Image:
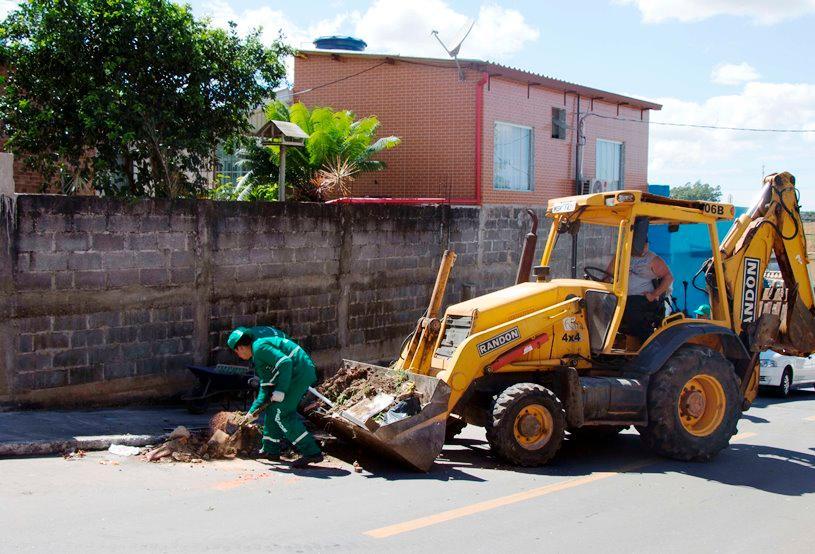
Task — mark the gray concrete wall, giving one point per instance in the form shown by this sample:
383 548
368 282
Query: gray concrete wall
106 300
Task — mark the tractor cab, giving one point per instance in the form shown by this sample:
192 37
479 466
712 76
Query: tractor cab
596 240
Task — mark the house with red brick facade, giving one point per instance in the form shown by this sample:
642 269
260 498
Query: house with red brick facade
25 180
476 132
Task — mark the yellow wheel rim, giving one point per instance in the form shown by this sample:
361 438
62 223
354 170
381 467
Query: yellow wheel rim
702 405
533 426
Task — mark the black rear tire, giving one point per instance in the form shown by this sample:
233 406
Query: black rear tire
514 420
665 433
597 433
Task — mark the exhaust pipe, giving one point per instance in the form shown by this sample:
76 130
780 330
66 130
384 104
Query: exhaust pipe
528 252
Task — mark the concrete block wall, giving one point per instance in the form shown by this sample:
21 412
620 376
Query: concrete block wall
106 300
104 293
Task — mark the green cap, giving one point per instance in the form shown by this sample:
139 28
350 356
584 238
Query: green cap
703 309
235 336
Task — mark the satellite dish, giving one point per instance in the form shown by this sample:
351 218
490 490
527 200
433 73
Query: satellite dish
453 53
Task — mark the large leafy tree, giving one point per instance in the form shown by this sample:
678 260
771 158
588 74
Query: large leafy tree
131 96
339 146
697 191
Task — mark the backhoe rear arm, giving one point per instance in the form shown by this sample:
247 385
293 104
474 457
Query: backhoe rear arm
782 318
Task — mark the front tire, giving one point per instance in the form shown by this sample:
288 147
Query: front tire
528 424
693 405
784 388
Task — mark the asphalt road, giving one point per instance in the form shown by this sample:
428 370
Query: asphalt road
759 495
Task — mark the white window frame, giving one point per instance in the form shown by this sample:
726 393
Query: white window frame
234 172
621 184
531 172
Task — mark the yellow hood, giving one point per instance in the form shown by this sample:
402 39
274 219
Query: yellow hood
510 303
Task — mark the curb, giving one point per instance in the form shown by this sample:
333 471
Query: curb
101 442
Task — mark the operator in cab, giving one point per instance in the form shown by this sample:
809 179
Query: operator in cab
644 308
649 279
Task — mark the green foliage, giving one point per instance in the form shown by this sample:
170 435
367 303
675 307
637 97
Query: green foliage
130 96
245 189
697 191
335 138
256 161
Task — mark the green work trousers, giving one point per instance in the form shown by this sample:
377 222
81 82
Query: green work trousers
282 421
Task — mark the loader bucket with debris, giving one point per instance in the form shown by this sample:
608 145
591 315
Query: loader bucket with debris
414 437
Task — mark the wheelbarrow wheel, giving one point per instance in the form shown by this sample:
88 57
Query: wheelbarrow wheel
195 402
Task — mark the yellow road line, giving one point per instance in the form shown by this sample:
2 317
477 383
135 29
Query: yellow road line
479 507
810 418
418 523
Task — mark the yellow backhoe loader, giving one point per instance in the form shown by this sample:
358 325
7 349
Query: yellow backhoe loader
536 360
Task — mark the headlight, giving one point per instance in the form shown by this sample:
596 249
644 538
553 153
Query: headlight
768 363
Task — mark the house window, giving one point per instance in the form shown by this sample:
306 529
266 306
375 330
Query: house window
610 164
228 167
513 158
559 123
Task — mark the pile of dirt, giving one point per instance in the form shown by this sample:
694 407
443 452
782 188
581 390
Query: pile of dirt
351 385
224 439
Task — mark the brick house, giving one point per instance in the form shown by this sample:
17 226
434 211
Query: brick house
25 180
484 133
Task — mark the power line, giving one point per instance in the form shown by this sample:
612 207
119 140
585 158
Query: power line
341 78
613 118
700 126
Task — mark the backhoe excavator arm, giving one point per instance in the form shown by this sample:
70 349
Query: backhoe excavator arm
781 318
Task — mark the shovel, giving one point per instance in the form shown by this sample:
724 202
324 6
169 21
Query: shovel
343 414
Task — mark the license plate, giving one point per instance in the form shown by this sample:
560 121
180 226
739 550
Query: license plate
564 207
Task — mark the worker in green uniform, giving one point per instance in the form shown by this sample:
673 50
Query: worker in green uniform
702 312
286 372
259 332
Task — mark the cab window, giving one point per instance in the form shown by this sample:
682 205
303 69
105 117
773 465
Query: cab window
596 250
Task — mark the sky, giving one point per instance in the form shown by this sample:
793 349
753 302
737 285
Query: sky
732 63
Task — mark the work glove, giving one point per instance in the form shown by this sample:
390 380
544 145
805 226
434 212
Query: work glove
248 418
278 396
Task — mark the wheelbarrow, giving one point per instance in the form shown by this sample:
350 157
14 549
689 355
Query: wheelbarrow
222 383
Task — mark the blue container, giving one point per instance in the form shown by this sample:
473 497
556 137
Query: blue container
340 43
685 251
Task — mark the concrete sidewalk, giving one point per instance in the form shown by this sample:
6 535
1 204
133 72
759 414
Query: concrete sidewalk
40 433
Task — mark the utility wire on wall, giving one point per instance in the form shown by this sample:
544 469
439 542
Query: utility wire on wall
701 126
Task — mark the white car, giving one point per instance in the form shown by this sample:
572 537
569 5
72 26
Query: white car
785 373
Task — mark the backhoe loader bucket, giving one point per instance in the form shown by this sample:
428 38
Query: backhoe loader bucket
415 440
794 324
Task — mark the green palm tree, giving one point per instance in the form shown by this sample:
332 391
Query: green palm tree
335 138
339 146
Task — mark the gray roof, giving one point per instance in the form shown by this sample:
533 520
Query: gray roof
494 69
